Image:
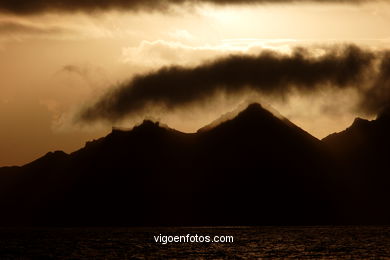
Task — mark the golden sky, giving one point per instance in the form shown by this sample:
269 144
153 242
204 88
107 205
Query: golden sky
54 63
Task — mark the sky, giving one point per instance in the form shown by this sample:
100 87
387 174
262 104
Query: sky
70 70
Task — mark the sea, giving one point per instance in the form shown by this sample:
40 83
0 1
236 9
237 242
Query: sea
269 242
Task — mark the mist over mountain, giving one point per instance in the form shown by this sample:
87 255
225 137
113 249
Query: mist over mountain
253 169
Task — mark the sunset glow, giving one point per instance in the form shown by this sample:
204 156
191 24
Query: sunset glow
55 63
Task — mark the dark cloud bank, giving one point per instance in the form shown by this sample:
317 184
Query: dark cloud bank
38 6
269 73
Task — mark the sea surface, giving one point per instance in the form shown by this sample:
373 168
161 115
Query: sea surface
350 242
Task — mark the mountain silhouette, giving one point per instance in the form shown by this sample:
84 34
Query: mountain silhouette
364 144
363 150
253 169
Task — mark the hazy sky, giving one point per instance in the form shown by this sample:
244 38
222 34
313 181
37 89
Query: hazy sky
58 60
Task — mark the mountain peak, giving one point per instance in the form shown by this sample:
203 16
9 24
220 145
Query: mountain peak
359 122
257 114
254 109
250 111
148 127
147 124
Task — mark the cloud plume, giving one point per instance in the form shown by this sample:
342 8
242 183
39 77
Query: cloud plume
10 27
39 6
269 73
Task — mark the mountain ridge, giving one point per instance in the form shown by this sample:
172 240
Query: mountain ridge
255 169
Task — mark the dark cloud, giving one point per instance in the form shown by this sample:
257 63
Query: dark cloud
376 97
38 6
269 73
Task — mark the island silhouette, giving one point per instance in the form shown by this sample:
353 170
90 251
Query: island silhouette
257 168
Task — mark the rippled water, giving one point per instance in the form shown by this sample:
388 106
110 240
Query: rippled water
249 243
